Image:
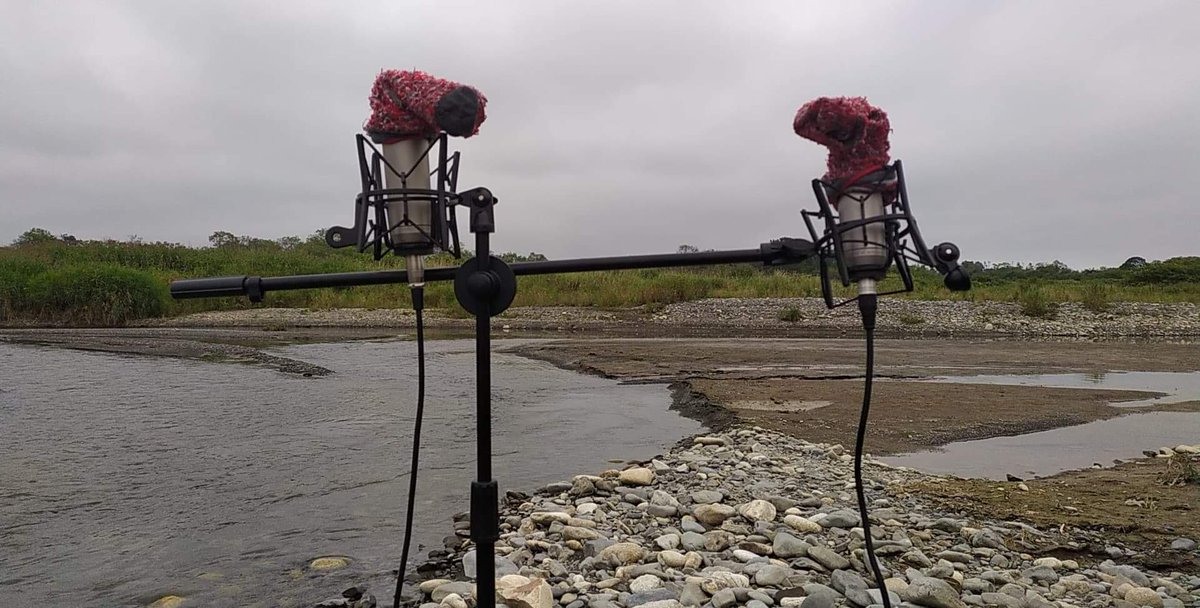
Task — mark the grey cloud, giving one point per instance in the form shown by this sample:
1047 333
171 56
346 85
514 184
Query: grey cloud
1031 131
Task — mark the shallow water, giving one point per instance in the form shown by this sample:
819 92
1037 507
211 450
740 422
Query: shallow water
1177 387
1049 452
1076 447
125 478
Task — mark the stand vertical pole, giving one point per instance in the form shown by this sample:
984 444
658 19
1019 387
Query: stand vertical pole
485 509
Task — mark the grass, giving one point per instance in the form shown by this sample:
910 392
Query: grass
1034 302
112 283
1181 470
1095 297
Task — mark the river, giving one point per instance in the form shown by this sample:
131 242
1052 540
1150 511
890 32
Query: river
127 478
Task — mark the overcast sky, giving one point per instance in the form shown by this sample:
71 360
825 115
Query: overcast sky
1030 131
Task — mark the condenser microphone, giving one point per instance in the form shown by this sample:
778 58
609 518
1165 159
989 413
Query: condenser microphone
406 166
860 206
409 110
859 183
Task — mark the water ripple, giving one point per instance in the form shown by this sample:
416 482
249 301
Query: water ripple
125 478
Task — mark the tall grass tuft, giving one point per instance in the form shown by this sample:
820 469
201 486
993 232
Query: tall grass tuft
1095 296
1034 302
15 277
96 295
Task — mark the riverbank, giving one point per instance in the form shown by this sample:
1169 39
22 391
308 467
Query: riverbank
793 317
758 518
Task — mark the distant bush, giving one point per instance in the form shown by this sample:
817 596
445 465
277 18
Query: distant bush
1035 303
96 295
1174 270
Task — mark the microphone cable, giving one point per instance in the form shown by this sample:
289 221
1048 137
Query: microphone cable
418 302
868 305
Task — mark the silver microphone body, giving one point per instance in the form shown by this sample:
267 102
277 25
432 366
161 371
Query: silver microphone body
864 248
413 239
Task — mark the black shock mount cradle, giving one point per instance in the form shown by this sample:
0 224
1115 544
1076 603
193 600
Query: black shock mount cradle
485 286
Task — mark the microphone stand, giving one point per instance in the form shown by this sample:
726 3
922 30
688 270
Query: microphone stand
485 286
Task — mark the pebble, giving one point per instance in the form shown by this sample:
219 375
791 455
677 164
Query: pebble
827 557
785 545
621 554
802 524
1183 544
713 514
844 518
932 592
819 600
692 595
1143 596
637 476
454 600
718 580
459 588
1001 599
693 541
771 575
707 497
724 598
1050 562
757 510
669 603
671 559
667 541
644 583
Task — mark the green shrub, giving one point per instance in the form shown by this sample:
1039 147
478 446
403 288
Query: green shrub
1174 270
96 295
1095 296
1035 303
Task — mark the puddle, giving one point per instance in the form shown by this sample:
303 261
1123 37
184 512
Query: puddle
1054 451
1076 447
1177 387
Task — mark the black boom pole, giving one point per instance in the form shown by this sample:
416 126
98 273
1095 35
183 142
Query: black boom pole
783 251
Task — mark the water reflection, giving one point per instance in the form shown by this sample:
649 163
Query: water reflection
1176 387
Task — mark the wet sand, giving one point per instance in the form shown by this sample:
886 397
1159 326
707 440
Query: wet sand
813 388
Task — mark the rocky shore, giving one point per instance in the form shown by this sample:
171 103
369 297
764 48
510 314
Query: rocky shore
943 317
756 316
753 518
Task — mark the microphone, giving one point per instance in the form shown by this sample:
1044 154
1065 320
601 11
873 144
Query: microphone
863 202
409 112
858 180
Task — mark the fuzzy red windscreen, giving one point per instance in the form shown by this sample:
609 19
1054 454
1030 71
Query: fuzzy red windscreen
855 132
411 104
